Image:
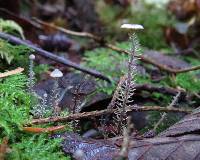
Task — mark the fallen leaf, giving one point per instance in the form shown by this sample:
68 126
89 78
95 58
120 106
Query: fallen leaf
3 148
43 130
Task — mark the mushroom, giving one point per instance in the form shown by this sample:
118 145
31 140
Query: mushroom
56 73
132 26
32 57
31 74
55 91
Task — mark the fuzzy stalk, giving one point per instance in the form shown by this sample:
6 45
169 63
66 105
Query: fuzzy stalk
31 80
55 98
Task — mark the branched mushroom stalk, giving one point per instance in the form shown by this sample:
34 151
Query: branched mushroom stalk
31 79
126 87
40 109
56 74
123 154
77 104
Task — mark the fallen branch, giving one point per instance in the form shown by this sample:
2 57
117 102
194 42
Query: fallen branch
103 42
104 112
160 89
52 56
12 72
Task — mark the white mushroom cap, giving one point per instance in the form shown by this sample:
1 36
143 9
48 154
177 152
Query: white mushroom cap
45 95
56 73
32 57
132 26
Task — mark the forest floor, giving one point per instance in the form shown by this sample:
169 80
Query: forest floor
76 84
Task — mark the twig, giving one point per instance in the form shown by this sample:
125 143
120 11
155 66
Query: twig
52 56
104 112
103 42
164 115
151 133
160 89
70 32
12 72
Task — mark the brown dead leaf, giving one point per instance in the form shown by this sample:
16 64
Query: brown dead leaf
183 148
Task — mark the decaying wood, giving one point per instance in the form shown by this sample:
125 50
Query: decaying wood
52 56
103 42
9 73
12 72
104 112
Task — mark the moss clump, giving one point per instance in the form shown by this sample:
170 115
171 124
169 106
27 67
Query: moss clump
188 81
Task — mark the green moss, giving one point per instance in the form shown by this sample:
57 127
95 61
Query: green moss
112 64
11 27
106 61
188 81
14 113
193 61
12 53
14 105
37 147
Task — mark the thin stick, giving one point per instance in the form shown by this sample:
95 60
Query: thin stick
175 99
104 112
103 42
52 56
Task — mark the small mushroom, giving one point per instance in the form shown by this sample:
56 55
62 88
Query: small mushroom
31 79
132 26
32 57
56 73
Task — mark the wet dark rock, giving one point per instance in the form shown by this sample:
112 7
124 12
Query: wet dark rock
68 84
92 133
58 42
92 149
183 147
